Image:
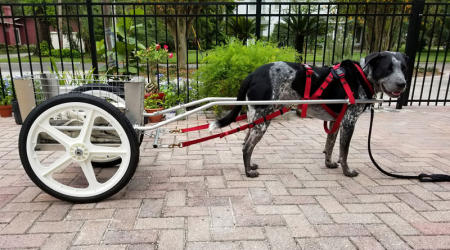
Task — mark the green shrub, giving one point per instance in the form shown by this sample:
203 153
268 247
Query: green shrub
227 65
66 53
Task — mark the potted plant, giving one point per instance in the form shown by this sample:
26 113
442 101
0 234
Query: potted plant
153 104
152 56
5 106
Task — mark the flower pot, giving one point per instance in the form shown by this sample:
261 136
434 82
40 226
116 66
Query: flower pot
6 110
156 118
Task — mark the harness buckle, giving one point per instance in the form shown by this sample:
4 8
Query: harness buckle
340 72
175 145
173 131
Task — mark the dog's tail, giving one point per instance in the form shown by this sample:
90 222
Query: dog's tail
231 116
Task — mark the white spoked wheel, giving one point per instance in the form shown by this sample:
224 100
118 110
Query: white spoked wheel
61 138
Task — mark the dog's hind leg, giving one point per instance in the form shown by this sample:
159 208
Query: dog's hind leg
331 139
254 136
347 128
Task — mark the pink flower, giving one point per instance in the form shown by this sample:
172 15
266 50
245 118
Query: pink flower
170 55
166 47
157 47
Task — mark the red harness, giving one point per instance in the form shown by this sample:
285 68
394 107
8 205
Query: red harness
336 72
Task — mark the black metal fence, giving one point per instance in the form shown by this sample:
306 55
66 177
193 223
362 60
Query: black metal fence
103 37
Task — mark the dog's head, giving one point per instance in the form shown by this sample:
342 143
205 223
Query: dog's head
386 71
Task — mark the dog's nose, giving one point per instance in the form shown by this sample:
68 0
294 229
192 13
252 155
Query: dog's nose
401 85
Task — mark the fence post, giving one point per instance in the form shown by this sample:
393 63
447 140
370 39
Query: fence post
258 19
412 44
92 36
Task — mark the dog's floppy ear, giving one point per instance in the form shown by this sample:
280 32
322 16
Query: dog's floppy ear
371 58
405 57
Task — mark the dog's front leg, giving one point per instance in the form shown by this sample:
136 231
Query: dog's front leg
331 139
347 128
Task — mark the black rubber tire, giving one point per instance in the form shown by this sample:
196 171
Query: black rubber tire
116 89
103 104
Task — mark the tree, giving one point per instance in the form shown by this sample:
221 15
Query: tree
294 28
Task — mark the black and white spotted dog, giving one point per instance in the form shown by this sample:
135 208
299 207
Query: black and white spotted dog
286 81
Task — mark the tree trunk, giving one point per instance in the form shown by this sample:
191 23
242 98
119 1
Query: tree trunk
44 32
60 24
108 34
177 28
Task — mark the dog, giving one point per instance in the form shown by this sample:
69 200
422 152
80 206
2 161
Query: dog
286 81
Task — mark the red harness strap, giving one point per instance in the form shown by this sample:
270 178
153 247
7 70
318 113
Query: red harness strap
309 73
243 127
205 126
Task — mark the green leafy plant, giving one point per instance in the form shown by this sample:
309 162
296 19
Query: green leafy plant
171 97
227 65
5 100
153 102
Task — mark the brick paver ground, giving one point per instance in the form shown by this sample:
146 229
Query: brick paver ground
199 198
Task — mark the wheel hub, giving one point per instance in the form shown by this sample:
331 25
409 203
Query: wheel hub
79 152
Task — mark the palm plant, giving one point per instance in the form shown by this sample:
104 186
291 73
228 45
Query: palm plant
294 29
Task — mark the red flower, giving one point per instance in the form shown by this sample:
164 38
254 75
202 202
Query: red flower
166 47
157 47
170 55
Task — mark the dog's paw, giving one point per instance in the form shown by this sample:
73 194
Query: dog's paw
213 125
331 164
254 166
351 173
252 174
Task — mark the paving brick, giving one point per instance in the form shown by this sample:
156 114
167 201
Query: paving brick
259 220
293 200
260 196
276 188
28 194
198 229
415 202
406 212
277 209
215 182
90 214
56 227
367 208
244 184
254 245
437 216
315 214
130 236
151 208
21 223
227 245
333 230
397 224
221 217
23 241
21 207
330 204
377 198
431 228
228 192
159 223
300 226
387 237
171 239
366 243
280 238
122 203
58 241
124 218
347 218
91 232
429 242
308 191
185 211
55 212
325 243
176 198
237 233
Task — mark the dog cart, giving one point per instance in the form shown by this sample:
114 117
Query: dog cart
83 146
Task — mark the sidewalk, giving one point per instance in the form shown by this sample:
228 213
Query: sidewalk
199 197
